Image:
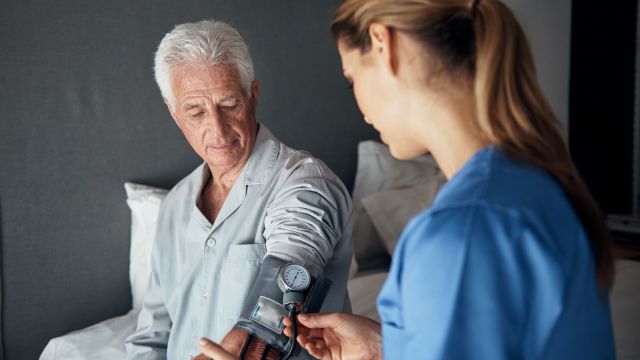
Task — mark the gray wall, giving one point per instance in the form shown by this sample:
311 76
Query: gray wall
81 115
547 24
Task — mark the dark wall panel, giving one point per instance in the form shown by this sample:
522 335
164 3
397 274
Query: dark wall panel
602 99
80 115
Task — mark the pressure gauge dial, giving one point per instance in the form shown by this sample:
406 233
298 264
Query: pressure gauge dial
294 278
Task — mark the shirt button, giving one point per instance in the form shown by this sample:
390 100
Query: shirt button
211 242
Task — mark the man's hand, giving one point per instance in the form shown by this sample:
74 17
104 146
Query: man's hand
233 341
211 350
334 336
231 346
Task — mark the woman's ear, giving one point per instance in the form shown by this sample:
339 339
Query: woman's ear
383 46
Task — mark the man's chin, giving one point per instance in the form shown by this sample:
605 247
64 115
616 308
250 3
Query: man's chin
223 163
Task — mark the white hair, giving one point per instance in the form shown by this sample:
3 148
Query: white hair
208 41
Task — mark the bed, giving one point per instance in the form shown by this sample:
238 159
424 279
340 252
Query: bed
387 192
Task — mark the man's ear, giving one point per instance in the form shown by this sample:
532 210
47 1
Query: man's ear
172 111
255 93
383 46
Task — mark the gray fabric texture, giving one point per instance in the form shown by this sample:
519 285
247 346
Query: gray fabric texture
387 193
81 115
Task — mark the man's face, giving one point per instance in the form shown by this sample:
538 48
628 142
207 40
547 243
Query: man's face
215 114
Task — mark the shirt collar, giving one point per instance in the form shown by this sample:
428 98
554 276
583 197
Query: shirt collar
263 157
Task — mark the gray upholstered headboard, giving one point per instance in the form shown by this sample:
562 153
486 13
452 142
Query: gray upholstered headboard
80 115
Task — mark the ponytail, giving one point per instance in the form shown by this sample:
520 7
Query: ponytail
513 113
482 40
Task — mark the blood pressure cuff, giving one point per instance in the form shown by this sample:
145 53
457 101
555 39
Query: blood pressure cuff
266 286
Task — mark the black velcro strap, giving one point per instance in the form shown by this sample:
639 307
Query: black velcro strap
266 285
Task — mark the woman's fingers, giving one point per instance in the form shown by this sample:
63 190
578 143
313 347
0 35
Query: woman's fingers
310 333
303 340
317 349
315 321
302 330
286 321
315 333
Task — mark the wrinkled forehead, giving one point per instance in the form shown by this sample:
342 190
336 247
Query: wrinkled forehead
190 77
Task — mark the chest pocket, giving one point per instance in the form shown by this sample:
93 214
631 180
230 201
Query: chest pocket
238 275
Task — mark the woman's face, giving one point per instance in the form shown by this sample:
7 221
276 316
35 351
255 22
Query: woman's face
379 98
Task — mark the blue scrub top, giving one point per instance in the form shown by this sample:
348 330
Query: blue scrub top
499 268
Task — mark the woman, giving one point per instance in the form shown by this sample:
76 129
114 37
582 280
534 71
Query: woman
513 259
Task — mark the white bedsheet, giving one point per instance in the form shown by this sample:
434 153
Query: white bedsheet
102 341
105 340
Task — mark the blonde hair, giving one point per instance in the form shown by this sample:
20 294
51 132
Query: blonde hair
483 40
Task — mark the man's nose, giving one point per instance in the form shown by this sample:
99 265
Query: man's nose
215 122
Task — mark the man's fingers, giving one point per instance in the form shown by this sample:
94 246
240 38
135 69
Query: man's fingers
233 341
214 351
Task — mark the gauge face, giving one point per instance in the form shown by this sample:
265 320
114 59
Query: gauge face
295 277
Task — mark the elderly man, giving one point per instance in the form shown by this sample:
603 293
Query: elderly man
253 200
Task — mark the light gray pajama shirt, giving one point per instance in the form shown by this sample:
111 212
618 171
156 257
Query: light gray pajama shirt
284 203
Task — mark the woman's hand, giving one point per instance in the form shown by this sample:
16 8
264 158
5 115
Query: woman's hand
334 336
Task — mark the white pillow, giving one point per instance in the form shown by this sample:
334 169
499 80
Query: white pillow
144 202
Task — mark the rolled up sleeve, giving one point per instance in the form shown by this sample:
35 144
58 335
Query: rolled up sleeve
305 220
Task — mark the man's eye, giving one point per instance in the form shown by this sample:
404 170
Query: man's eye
228 106
196 114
